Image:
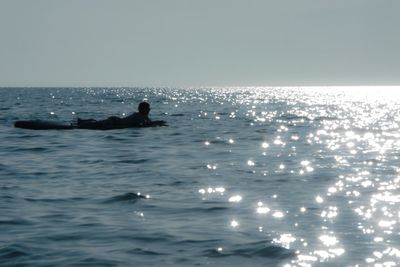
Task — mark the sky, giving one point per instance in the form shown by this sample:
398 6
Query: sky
199 42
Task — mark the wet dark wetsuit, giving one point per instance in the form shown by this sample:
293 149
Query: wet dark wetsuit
134 120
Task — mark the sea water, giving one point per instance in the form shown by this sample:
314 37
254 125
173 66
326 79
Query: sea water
240 177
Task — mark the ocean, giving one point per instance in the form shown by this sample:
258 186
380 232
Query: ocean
248 176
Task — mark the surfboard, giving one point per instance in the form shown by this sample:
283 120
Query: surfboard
53 125
43 125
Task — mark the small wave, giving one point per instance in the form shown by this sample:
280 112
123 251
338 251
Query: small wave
92 261
9 187
133 161
15 222
66 237
209 209
177 183
117 100
91 161
7 197
12 251
27 135
325 118
55 200
115 138
291 117
146 252
176 134
30 149
193 241
156 237
55 217
127 197
257 249
89 224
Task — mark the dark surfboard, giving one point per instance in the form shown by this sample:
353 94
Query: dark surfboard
52 125
43 125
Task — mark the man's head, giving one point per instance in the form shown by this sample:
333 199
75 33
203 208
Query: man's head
144 108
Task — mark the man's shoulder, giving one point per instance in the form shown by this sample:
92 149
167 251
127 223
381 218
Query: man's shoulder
137 118
133 115
136 115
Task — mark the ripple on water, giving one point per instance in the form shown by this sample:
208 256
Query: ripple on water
103 261
127 197
11 253
132 161
255 249
145 252
55 200
16 221
29 149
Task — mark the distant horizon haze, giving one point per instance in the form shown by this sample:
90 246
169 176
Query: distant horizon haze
187 43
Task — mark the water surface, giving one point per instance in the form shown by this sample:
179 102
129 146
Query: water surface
241 177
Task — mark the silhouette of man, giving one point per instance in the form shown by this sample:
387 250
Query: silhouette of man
137 119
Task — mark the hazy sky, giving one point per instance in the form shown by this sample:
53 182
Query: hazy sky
199 42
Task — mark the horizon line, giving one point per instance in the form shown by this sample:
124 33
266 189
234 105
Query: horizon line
206 86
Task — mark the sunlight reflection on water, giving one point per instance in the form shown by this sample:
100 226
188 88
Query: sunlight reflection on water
359 126
310 170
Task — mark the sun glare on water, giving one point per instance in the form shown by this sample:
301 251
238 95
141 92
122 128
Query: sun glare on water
384 93
353 129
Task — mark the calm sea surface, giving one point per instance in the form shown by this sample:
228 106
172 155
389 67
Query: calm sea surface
241 177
